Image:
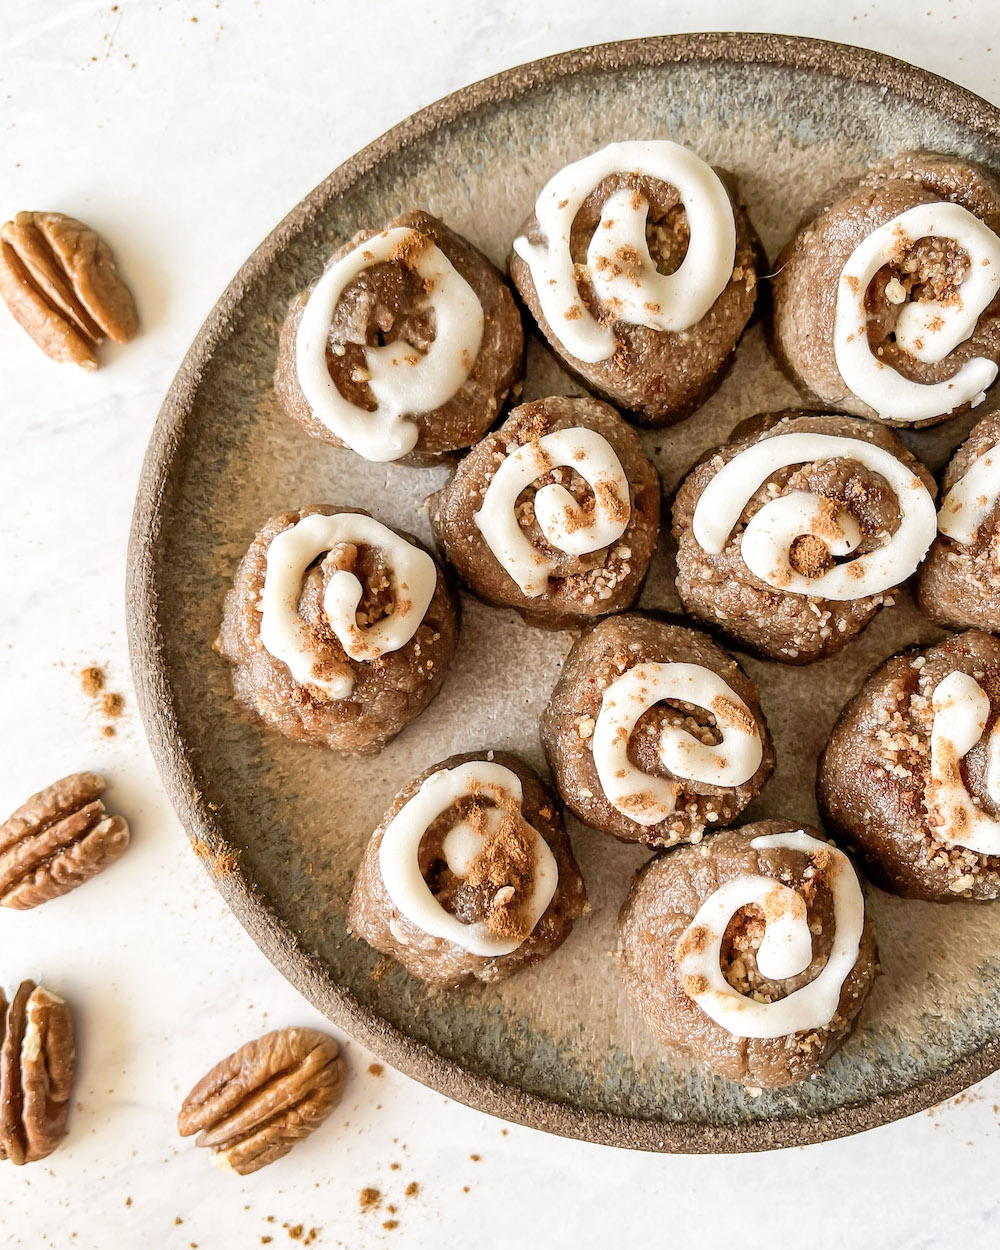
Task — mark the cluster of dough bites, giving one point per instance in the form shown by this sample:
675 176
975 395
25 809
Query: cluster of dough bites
959 582
625 685
451 922
695 963
907 777
659 375
333 699
814 283
819 578
491 527
445 308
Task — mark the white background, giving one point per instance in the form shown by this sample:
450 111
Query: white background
184 142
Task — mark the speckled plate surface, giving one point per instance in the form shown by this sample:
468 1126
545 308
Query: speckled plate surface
281 827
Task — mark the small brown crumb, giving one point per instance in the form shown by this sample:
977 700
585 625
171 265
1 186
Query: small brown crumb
112 705
390 1224
369 1199
108 731
375 1069
474 1158
266 1239
92 680
412 1189
296 1231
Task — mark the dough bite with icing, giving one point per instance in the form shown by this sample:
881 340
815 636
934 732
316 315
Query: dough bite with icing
339 629
555 514
751 950
911 774
959 582
653 733
640 266
470 875
793 534
887 302
405 349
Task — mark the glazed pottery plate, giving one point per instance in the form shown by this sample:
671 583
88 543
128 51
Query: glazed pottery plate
282 826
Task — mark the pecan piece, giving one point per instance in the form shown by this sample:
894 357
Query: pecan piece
37 1064
256 1104
59 280
60 838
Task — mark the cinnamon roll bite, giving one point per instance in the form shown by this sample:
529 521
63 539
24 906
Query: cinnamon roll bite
751 950
911 774
887 303
653 733
793 534
339 629
640 266
555 514
470 875
405 348
959 582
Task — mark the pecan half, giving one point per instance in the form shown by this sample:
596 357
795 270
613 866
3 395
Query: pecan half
60 838
256 1104
59 280
37 1064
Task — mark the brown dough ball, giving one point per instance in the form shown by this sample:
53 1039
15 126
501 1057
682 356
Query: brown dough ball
658 376
720 590
599 658
375 919
875 782
807 275
387 302
580 587
388 692
666 895
959 583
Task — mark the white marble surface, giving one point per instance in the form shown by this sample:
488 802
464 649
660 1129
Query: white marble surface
184 131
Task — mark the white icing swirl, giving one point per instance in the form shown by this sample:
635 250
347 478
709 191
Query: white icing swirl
767 539
619 267
413 577
647 799
786 949
971 500
404 381
566 525
928 330
961 710
399 862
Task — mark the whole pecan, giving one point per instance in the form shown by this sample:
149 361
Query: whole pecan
59 280
256 1104
37 1063
60 838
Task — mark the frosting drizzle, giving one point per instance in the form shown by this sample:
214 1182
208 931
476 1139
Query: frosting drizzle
566 525
399 853
766 542
619 266
413 576
928 330
961 710
648 799
404 381
786 950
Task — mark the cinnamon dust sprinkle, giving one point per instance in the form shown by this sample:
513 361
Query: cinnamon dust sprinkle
92 680
369 1199
810 556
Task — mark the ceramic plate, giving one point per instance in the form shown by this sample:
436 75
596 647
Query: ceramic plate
282 826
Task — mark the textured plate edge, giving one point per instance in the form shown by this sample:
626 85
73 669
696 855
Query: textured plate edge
279 943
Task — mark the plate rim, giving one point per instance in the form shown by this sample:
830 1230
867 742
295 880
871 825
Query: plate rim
278 941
